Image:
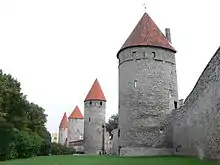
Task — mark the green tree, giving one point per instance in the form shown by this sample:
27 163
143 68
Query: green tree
6 136
112 124
22 124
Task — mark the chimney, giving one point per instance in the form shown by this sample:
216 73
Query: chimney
167 31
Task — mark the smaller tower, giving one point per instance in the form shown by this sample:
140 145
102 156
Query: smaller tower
94 120
63 130
75 126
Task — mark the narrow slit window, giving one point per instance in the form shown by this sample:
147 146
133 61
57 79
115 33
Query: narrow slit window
135 83
89 119
100 103
175 104
154 54
118 132
90 103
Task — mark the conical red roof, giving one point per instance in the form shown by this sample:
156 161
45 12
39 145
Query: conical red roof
64 122
76 114
146 33
95 92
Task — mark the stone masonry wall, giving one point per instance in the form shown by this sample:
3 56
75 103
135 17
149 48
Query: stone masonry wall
196 125
94 117
75 130
115 142
62 135
147 91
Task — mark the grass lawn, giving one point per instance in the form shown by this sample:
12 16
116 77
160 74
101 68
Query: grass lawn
107 160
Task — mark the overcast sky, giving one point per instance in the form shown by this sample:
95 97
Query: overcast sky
56 48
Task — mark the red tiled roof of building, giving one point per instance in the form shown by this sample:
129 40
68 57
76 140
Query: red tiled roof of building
64 122
146 33
95 92
76 114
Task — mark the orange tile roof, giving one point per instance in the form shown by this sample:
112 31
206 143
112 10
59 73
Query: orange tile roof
64 122
76 114
95 92
146 33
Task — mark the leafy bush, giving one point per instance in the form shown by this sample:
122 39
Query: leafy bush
58 149
27 143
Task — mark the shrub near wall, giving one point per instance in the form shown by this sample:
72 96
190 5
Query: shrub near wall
58 149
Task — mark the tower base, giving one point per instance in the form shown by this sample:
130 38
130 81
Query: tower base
143 151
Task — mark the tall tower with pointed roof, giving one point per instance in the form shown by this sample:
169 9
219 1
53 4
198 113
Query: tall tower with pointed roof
75 126
94 118
63 130
147 90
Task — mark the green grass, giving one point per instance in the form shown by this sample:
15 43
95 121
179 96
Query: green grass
107 160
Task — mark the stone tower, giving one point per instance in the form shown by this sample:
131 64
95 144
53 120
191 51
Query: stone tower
94 118
147 89
63 130
75 126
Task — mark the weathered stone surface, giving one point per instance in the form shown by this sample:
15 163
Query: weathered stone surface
141 151
115 141
94 118
196 125
75 130
147 92
62 136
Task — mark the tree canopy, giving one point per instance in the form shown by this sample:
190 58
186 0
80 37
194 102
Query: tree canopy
22 124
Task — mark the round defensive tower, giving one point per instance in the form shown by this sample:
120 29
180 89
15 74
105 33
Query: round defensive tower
75 126
94 118
63 130
147 90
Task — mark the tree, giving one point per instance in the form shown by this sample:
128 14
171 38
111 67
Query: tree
22 124
112 124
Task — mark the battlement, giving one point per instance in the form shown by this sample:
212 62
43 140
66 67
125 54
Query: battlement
146 53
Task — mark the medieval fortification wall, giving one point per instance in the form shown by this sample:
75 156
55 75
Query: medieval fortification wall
196 125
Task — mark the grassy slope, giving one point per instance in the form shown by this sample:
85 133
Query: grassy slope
107 160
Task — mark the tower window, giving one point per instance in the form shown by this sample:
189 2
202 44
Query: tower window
135 83
161 129
90 103
100 103
175 104
89 119
154 54
133 54
118 132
